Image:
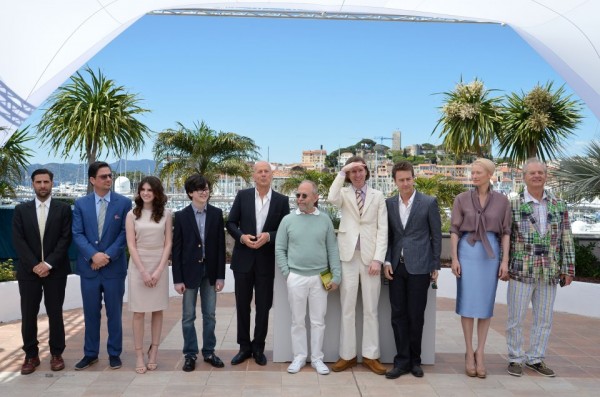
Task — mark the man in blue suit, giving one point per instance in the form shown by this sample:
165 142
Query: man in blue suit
99 233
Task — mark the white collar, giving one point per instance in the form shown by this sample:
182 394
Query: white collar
315 212
46 203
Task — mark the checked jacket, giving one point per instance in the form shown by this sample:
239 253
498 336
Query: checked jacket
544 255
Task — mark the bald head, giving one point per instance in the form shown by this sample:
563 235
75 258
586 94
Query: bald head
263 175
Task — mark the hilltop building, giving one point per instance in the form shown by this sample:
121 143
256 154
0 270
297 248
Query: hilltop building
314 159
396 140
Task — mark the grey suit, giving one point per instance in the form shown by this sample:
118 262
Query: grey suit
421 238
413 252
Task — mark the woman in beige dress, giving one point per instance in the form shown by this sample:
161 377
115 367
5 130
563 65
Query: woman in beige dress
149 239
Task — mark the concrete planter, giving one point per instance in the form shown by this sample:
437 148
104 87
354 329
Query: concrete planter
578 298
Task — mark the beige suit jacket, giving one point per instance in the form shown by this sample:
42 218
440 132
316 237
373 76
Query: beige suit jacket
372 227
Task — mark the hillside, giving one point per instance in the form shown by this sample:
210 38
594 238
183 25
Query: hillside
77 173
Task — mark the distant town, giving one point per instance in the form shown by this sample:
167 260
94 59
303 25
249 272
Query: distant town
428 160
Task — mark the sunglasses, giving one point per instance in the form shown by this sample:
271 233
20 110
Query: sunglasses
303 195
105 176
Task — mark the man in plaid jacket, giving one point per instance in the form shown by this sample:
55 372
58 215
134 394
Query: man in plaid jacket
542 255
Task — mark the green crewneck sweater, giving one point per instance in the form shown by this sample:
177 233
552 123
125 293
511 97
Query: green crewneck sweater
306 244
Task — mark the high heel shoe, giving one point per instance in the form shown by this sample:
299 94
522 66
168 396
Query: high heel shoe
470 371
140 370
480 371
152 365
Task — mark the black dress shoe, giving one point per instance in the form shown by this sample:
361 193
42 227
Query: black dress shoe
417 371
189 365
396 372
260 358
214 361
242 356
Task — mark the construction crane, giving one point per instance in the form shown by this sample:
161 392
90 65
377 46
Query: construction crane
382 138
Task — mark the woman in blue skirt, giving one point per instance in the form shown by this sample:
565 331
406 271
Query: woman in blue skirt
480 236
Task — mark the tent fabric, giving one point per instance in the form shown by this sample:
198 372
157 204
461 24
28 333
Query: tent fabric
45 42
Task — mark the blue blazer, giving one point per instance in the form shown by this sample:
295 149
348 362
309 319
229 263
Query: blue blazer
85 236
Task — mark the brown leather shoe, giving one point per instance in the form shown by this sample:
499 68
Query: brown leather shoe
342 365
374 365
29 365
57 363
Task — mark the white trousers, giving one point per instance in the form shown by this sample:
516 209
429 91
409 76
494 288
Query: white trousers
303 290
353 273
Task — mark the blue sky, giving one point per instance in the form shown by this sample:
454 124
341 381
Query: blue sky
293 85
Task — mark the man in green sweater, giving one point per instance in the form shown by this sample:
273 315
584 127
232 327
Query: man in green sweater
305 247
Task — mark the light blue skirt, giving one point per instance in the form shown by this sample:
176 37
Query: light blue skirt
476 287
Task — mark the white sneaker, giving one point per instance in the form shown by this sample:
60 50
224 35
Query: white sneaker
296 365
320 367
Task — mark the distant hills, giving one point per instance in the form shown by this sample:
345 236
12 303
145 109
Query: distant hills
77 173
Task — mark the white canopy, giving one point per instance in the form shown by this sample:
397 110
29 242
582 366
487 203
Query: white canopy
45 42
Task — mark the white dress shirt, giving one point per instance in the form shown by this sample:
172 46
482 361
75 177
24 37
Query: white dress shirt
261 205
37 213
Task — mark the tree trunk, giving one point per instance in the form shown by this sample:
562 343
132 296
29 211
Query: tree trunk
91 158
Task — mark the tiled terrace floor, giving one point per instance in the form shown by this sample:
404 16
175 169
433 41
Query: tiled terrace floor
574 354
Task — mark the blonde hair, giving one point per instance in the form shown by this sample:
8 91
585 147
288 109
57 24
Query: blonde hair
487 165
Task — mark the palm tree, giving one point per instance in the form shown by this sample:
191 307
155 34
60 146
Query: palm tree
578 177
536 124
13 161
470 119
441 187
445 190
95 118
322 179
184 151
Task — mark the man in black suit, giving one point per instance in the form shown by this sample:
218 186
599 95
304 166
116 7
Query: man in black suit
253 222
198 257
412 260
41 237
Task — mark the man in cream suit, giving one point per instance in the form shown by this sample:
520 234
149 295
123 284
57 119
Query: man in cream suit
362 241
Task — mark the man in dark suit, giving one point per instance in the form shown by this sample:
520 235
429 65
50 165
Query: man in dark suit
253 222
198 258
99 234
412 260
41 234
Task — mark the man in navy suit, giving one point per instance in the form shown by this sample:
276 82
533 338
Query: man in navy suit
99 234
198 257
41 237
253 222
412 260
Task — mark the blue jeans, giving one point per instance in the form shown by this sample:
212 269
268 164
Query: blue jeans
208 303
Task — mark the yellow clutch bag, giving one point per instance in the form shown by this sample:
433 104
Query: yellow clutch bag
326 277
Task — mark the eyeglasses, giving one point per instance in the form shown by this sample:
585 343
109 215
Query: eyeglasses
104 176
303 195
205 190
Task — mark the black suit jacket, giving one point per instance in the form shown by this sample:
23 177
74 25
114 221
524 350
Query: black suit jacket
57 238
187 247
421 238
242 220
